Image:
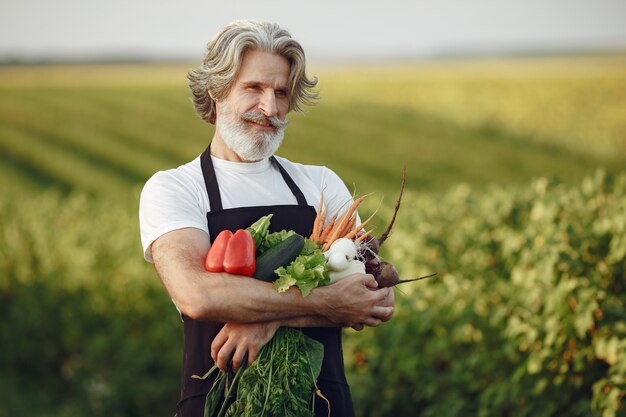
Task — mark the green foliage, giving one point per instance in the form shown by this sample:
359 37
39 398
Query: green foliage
526 317
307 271
281 382
87 328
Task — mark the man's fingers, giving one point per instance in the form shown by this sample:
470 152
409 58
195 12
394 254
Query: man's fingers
217 344
372 322
358 327
370 281
223 356
240 352
384 297
382 313
252 354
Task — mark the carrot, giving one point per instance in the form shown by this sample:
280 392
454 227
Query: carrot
345 218
328 229
355 230
319 221
363 236
349 226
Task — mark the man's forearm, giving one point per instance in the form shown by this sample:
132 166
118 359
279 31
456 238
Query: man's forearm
227 298
222 297
311 321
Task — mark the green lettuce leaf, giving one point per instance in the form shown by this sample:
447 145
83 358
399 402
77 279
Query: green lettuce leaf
306 272
275 238
259 230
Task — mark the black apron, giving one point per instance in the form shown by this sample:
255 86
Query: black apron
199 335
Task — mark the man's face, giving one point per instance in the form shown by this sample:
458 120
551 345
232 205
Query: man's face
251 119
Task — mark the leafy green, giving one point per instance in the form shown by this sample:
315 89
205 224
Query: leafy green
306 272
259 230
274 239
310 247
315 352
215 395
282 380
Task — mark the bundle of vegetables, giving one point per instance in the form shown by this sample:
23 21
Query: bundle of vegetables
351 249
282 380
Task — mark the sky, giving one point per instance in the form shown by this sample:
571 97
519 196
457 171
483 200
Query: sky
339 30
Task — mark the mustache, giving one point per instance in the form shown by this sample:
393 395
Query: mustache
255 116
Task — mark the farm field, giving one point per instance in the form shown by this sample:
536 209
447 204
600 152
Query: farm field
101 127
516 195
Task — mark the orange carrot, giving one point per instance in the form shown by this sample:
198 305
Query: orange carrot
318 222
363 236
341 224
328 229
355 230
349 226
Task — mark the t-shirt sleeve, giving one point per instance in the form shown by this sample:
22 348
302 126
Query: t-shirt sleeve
168 203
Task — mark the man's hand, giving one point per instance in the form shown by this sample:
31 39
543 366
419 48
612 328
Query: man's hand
390 301
356 301
235 339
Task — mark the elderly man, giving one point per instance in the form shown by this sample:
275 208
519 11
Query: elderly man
252 75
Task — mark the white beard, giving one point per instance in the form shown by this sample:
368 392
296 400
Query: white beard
250 145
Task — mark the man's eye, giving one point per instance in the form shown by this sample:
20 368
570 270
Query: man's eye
254 88
281 93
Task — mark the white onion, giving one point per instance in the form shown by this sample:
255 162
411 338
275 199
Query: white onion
354 267
337 261
345 246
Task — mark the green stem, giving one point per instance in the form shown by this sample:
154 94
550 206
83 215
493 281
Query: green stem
274 342
208 374
233 386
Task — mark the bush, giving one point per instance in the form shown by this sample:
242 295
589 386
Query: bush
87 328
526 317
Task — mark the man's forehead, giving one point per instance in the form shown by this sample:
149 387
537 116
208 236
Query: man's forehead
264 68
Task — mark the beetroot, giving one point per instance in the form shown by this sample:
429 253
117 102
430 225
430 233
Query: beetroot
387 275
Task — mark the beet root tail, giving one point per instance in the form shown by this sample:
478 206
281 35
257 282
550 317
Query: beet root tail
402 281
385 235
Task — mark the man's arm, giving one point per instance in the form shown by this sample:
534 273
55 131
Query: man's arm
179 259
236 339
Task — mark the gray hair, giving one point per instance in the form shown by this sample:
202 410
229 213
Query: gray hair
213 79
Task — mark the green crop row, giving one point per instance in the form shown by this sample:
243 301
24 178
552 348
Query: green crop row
104 129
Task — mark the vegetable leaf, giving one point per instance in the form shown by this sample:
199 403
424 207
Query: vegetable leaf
275 238
259 229
315 352
285 281
306 272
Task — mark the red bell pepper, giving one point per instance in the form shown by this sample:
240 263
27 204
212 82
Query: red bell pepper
214 261
232 253
240 255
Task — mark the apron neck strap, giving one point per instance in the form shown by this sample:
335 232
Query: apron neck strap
210 180
290 183
213 190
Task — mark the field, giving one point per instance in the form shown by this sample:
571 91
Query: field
516 195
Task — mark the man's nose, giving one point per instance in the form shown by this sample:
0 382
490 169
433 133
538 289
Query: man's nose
267 105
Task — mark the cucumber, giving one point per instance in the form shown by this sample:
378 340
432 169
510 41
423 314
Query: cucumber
280 255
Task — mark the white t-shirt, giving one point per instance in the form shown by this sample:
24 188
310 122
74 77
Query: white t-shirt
177 198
